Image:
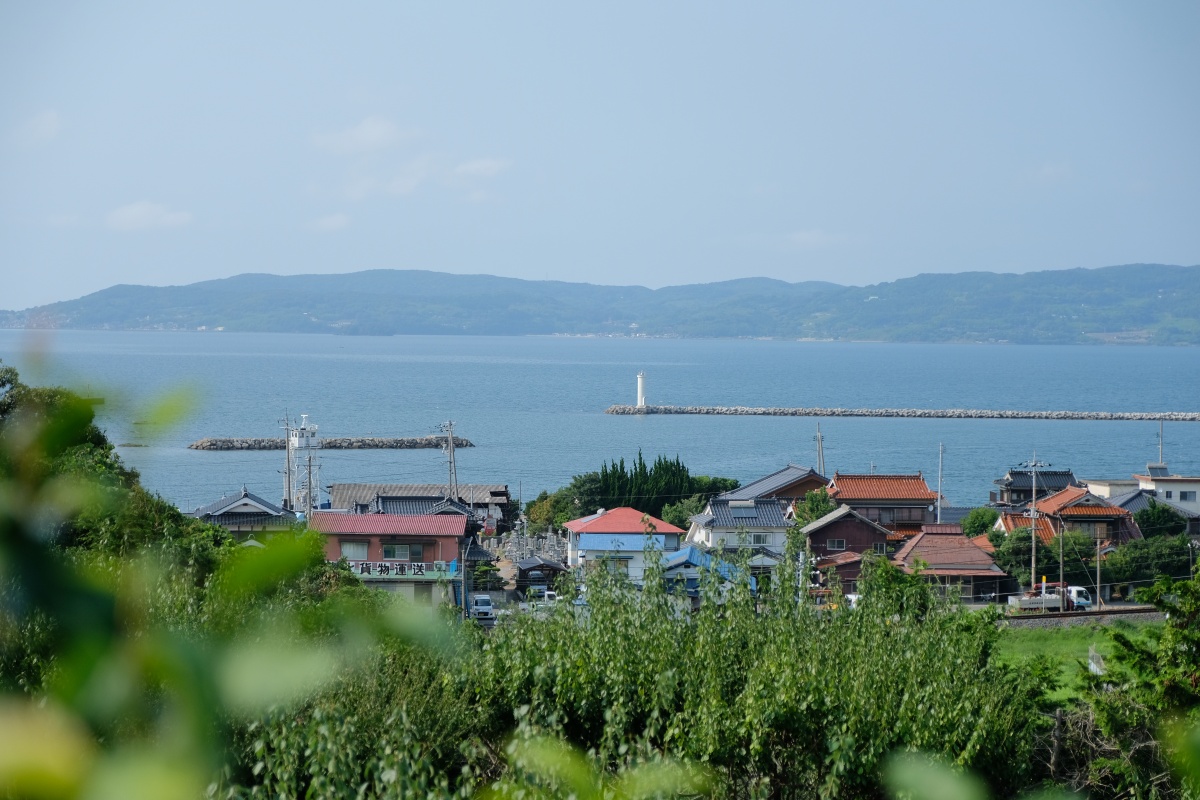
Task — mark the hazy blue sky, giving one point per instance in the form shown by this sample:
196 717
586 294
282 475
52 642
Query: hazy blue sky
647 143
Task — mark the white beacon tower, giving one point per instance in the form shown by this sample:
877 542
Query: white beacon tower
641 390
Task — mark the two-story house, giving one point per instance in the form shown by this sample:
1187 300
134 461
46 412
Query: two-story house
1182 490
1016 487
790 484
900 503
406 554
617 539
1077 509
485 504
839 540
758 523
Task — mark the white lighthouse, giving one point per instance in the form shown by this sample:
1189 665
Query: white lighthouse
641 390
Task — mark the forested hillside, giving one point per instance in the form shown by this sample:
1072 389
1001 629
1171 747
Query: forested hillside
1140 303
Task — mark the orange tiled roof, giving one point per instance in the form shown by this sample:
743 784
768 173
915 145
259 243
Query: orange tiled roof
984 543
620 520
1066 503
880 487
1011 522
1094 511
945 551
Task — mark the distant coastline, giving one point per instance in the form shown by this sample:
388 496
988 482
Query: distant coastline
1130 304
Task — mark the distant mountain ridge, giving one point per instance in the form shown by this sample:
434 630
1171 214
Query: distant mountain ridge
1134 303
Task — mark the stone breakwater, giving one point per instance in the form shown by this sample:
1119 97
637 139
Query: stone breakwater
915 413
350 443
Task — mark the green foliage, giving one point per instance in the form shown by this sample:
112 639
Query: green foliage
1143 561
680 514
1078 557
142 657
979 521
647 487
1139 714
815 505
768 692
1159 519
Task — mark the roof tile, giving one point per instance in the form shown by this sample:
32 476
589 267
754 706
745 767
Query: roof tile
846 488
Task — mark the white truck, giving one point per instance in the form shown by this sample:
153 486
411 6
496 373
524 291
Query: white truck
481 609
1077 598
1036 602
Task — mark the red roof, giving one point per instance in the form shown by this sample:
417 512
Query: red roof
389 524
984 543
620 520
942 527
1010 522
844 557
880 487
946 554
1068 503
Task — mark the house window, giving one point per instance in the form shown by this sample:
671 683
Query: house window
403 552
760 539
1168 494
1187 497
835 544
880 548
354 551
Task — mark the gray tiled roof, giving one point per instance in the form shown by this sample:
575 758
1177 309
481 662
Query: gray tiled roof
761 514
1139 499
1050 480
346 495
769 485
218 506
419 506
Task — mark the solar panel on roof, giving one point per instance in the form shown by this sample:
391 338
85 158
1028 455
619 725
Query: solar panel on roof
742 512
1157 470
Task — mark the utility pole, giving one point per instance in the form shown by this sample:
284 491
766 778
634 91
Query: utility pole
941 452
287 465
1033 534
820 451
448 427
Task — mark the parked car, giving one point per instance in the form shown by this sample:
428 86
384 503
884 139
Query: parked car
481 608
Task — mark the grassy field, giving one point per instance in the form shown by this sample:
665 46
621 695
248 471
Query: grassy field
1066 646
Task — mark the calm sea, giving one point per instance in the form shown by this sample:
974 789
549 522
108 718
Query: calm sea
534 406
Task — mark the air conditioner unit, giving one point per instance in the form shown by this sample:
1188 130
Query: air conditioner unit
439 566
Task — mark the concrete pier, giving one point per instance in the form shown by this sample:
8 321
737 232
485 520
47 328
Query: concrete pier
912 413
350 443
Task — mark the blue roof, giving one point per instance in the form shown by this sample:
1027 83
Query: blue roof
619 542
692 556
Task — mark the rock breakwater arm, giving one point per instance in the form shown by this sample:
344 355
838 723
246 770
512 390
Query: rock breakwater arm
346 443
915 413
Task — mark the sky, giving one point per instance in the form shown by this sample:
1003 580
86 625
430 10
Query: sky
616 143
